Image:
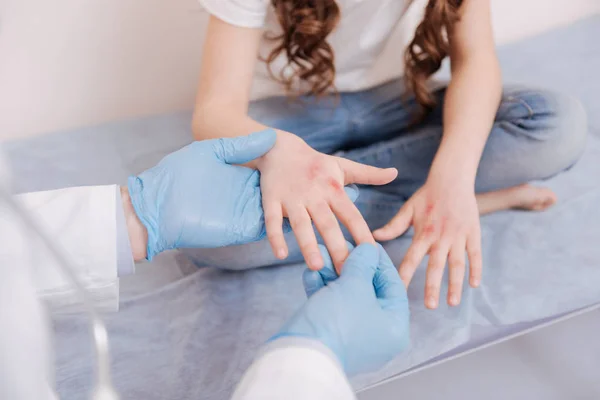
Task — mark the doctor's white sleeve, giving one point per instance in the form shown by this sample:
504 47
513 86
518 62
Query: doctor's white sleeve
25 344
89 226
295 369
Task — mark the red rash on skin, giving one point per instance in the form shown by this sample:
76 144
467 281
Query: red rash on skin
313 170
429 229
335 185
428 209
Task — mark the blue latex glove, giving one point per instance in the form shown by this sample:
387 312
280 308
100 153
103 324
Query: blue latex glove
362 316
195 198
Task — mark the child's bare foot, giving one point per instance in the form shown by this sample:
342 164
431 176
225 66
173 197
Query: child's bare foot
531 198
522 197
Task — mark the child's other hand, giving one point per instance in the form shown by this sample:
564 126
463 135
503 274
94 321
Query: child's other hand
302 184
445 218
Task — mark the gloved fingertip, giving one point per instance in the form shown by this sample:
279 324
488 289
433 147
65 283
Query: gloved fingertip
264 140
350 246
268 134
387 282
367 249
325 254
352 192
243 149
364 259
312 282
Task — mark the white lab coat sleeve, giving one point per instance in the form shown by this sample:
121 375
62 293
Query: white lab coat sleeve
25 344
294 368
88 224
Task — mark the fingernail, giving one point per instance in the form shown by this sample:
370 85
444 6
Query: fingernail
454 300
315 261
281 253
431 302
475 282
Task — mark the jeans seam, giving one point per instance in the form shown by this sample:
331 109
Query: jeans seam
523 103
352 123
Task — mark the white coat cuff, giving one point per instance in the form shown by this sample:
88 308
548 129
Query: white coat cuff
285 342
295 368
83 222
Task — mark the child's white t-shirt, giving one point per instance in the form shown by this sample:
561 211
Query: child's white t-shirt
368 42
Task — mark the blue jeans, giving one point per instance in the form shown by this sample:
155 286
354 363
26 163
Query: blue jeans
536 134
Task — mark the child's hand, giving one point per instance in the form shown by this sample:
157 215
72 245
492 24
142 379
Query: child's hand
302 184
446 222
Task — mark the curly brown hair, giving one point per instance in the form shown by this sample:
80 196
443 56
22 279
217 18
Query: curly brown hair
429 47
306 24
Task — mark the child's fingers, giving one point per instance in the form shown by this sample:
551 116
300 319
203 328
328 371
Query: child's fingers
365 174
305 235
330 230
274 227
435 273
475 261
456 272
317 280
397 225
348 214
413 257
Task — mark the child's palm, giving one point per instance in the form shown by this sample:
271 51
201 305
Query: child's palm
304 185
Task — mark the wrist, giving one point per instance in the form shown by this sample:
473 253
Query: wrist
284 141
454 167
138 235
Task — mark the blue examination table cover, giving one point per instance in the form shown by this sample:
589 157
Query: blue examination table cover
185 332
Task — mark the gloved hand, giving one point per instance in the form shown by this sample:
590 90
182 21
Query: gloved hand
362 316
195 198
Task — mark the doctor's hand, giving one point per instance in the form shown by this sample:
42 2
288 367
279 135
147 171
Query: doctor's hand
362 316
196 197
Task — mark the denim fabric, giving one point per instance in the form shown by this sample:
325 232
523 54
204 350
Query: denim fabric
536 134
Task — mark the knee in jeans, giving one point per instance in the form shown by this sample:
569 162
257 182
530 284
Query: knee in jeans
555 122
234 258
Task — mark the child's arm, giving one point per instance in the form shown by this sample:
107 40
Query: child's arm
228 61
297 182
474 92
444 211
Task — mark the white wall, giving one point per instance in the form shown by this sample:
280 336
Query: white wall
70 63
516 19
67 63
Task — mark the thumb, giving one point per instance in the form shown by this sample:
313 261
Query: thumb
389 288
243 149
365 174
316 280
361 264
397 225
